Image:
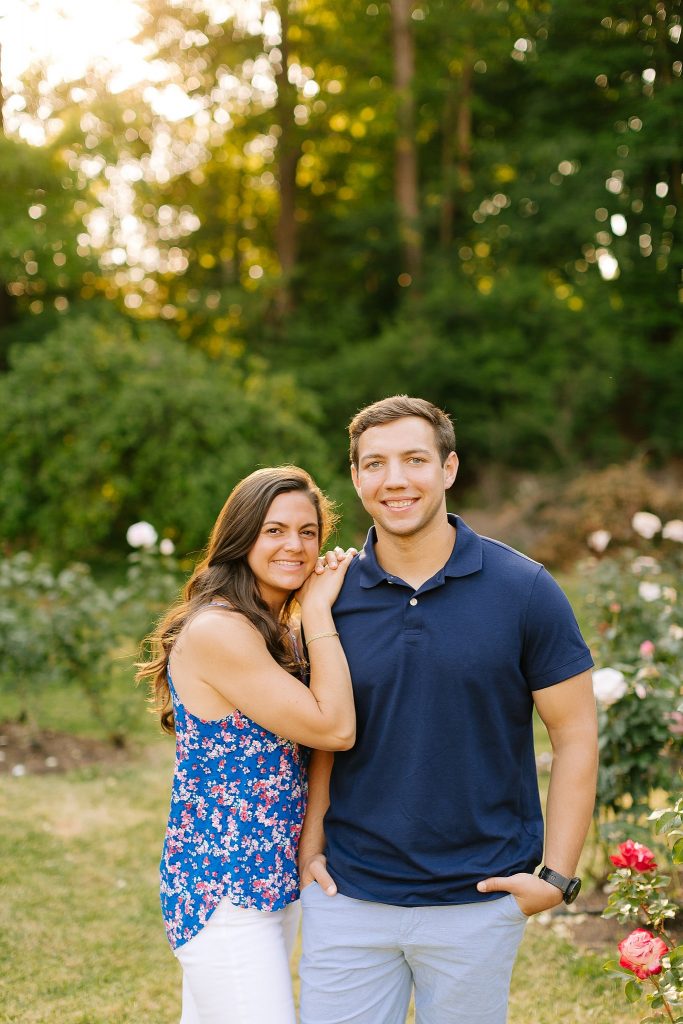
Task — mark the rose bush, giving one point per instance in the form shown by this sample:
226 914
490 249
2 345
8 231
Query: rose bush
639 894
597 508
636 635
64 628
637 890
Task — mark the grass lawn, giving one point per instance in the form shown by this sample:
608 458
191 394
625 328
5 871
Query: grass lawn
81 939
80 929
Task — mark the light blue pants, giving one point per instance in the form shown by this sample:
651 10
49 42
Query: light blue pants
361 960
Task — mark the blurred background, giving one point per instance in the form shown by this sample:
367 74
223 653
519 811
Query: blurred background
225 225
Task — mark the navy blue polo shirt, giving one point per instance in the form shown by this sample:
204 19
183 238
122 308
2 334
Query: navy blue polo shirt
440 788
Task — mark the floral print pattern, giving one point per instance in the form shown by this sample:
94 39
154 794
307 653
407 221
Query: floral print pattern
237 806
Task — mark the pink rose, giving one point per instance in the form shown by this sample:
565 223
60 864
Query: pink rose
634 855
642 953
647 649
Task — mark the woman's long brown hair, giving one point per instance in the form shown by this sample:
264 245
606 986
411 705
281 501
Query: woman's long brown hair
223 573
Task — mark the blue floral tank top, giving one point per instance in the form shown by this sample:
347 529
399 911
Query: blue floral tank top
237 806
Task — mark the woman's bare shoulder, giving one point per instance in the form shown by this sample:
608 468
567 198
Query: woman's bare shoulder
220 626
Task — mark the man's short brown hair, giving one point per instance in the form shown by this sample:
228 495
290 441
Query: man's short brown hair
396 408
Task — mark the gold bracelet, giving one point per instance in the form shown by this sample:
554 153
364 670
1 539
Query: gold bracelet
319 636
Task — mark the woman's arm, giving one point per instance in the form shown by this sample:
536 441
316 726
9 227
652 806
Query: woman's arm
224 651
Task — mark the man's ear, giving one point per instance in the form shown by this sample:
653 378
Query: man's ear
450 470
354 478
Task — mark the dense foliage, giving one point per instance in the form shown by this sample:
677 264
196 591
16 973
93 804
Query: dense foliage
103 427
369 197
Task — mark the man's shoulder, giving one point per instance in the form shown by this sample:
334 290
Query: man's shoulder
517 576
500 555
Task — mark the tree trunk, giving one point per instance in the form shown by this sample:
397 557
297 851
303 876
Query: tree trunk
456 150
406 166
447 215
289 151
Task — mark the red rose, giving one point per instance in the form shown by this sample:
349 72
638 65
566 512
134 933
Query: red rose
642 953
634 855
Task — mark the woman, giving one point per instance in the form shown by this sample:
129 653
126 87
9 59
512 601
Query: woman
228 680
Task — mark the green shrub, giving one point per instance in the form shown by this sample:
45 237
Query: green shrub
62 629
103 428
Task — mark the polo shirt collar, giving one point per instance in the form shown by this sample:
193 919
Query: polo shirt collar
465 558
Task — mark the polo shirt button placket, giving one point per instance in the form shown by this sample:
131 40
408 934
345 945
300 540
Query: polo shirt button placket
413 601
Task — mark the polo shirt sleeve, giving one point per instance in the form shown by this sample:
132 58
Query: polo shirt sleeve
553 648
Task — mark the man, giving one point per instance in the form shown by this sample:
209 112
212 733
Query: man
420 843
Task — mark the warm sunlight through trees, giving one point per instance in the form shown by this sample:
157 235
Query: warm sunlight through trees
479 201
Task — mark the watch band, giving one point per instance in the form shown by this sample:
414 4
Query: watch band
569 887
555 878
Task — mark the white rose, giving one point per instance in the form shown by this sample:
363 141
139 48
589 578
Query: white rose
646 524
167 547
673 530
141 535
598 540
650 591
609 685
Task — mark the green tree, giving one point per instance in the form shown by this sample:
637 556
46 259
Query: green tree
41 262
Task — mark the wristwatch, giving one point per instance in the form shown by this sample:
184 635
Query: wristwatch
569 887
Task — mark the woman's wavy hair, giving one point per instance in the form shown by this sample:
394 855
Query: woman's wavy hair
223 573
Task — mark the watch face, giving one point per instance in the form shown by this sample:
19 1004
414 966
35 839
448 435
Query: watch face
572 890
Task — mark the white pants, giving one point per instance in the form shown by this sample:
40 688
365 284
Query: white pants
236 969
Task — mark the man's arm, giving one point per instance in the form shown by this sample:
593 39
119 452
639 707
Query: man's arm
312 862
568 712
